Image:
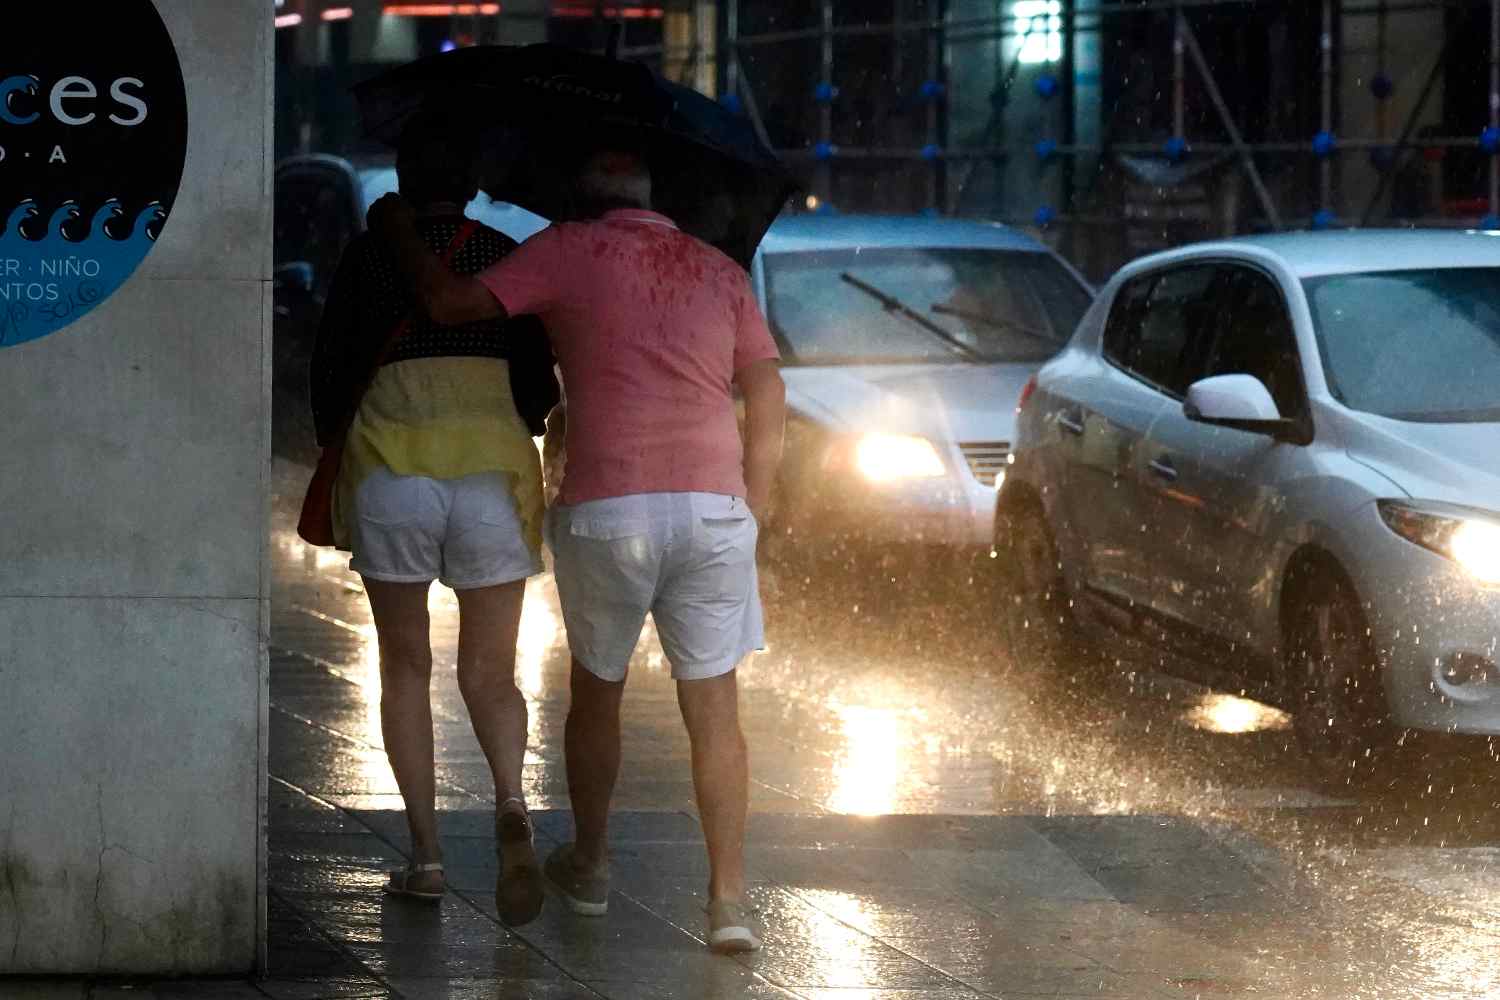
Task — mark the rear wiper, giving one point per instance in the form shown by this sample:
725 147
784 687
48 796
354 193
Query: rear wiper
999 321
895 305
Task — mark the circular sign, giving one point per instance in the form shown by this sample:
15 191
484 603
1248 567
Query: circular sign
93 135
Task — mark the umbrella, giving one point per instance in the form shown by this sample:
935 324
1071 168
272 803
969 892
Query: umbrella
535 108
536 86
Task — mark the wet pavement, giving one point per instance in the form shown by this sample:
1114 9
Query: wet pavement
928 822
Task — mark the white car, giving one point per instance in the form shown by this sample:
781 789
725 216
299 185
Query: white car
904 342
1278 458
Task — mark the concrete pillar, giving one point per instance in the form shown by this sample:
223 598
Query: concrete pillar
133 589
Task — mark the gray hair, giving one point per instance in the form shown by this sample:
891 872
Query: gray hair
616 179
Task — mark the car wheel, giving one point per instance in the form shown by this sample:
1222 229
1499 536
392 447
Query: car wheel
1340 715
1035 611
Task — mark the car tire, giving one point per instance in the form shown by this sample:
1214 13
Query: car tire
1035 611
1332 681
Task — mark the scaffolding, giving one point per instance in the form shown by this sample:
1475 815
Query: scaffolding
1050 178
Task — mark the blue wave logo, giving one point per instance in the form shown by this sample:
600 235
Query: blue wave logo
51 279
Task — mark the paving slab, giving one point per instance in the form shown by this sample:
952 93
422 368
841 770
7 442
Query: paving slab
925 824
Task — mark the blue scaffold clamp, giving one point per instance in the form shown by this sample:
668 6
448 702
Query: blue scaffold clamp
1047 86
1490 223
1489 140
1324 143
1176 148
825 151
825 92
1323 219
933 91
1045 216
932 151
733 104
1382 86
1046 149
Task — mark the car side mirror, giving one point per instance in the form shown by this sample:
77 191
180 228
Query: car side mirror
294 276
1241 402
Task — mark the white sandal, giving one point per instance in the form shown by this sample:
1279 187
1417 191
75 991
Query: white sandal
399 881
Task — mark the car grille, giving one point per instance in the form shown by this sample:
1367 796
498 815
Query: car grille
987 459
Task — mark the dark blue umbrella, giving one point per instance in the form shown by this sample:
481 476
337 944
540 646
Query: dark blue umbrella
535 109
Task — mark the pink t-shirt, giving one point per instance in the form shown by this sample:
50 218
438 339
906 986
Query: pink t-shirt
649 326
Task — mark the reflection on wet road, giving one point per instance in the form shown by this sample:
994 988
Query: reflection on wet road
929 818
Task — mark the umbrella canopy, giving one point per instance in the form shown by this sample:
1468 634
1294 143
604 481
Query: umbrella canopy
535 109
520 86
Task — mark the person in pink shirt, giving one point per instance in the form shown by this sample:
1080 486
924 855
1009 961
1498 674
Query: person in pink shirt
660 502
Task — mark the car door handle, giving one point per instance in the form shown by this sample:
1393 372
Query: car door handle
1070 423
1163 468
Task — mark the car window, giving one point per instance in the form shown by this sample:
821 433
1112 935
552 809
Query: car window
1253 336
1156 323
512 220
1420 345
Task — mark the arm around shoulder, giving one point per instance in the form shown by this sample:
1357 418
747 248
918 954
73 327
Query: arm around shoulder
448 298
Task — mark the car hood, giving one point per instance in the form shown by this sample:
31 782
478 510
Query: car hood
943 402
1455 463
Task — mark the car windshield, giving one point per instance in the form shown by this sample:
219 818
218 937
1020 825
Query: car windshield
1412 345
920 305
515 222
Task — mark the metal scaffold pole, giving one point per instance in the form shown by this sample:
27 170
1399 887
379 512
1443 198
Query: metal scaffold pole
825 108
732 43
1325 44
1179 124
943 32
934 72
1494 103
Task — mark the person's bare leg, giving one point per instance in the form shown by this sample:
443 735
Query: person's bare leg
401 625
489 620
592 746
721 777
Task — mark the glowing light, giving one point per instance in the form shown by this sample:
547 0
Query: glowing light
539 634
871 767
628 13
1039 26
337 14
288 20
813 203
1476 547
883 457
1225 713
439 9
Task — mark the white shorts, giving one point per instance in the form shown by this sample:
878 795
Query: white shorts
687 558
465 532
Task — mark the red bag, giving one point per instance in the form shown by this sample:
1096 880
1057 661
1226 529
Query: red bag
315 522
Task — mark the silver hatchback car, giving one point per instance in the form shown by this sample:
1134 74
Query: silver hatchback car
1277 459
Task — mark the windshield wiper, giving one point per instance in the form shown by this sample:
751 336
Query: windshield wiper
997 321
895 305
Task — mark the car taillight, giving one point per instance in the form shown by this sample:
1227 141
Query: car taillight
1026 394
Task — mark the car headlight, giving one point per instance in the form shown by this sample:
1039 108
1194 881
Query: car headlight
882 458
1471 539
